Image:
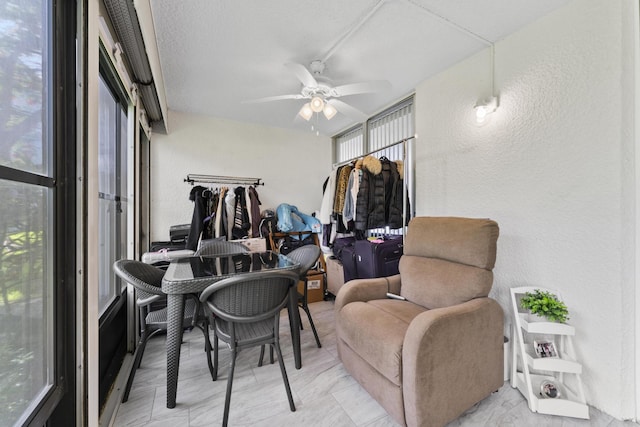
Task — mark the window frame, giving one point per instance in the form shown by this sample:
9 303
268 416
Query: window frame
57 403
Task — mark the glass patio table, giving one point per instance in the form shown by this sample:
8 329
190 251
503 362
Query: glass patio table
192 275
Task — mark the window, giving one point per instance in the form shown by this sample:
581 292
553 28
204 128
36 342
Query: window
27 191
382 132
383 136
112 186
389 127
350 144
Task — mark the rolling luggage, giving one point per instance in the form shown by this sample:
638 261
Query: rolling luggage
378 258
340 243
348 259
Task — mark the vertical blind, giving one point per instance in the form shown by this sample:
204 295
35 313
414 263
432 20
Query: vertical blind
382 132
390 127
350 144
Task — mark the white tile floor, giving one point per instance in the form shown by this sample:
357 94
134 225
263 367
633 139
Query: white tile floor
324 393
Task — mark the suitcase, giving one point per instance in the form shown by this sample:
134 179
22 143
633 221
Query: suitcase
335 275
348 260
340 243
179 233
378 259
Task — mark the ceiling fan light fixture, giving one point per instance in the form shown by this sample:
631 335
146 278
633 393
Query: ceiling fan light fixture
329 111
306 112
317 104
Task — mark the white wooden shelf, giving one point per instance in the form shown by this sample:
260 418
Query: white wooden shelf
563 363
567 405
529 371
545 327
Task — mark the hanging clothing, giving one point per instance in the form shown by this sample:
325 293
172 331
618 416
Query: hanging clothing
397 197
208 230
342 179
223 213
220 226
241 223
230 205
351 195
379 177
255 216
326 208
197 219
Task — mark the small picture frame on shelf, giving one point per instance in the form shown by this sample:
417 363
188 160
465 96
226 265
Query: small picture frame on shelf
550 390
545 348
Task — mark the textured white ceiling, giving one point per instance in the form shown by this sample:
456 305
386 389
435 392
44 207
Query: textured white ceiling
215 54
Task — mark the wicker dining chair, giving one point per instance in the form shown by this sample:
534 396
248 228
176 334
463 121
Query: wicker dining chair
306 256
151 302
245 312
221 247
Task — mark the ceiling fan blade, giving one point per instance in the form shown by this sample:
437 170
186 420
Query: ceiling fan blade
302 74
364 87
273 98
348 110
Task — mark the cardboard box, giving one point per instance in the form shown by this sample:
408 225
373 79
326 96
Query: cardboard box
335 275
315 286
255 244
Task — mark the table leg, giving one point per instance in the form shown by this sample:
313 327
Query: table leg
175 313
295 326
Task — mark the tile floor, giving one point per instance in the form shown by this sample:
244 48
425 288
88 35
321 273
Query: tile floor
324 393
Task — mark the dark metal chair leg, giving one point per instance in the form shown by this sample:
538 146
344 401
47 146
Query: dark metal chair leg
261 355
207 348
136 364
227 399
215 356
313 327
292 406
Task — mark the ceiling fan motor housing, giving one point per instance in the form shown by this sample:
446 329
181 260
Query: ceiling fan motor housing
317 67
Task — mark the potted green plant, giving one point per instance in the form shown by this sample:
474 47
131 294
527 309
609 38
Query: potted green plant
545 304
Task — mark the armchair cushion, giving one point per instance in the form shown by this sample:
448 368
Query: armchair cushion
469 241
449 283
380 344
454 256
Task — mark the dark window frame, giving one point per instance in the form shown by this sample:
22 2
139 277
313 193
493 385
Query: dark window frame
58 407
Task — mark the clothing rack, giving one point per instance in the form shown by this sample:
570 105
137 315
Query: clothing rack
402 141
407 171
220 179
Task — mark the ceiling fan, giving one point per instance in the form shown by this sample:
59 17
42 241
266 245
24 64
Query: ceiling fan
322 95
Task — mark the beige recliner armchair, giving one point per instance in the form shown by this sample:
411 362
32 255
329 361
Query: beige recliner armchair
429 358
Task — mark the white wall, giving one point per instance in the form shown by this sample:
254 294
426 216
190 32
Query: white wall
293 165
554 167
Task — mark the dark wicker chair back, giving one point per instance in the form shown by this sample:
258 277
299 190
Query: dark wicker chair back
245 312
221 247
306 256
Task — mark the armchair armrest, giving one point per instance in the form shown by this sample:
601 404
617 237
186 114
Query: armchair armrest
361 290
451 354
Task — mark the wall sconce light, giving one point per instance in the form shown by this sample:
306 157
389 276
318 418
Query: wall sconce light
484 108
